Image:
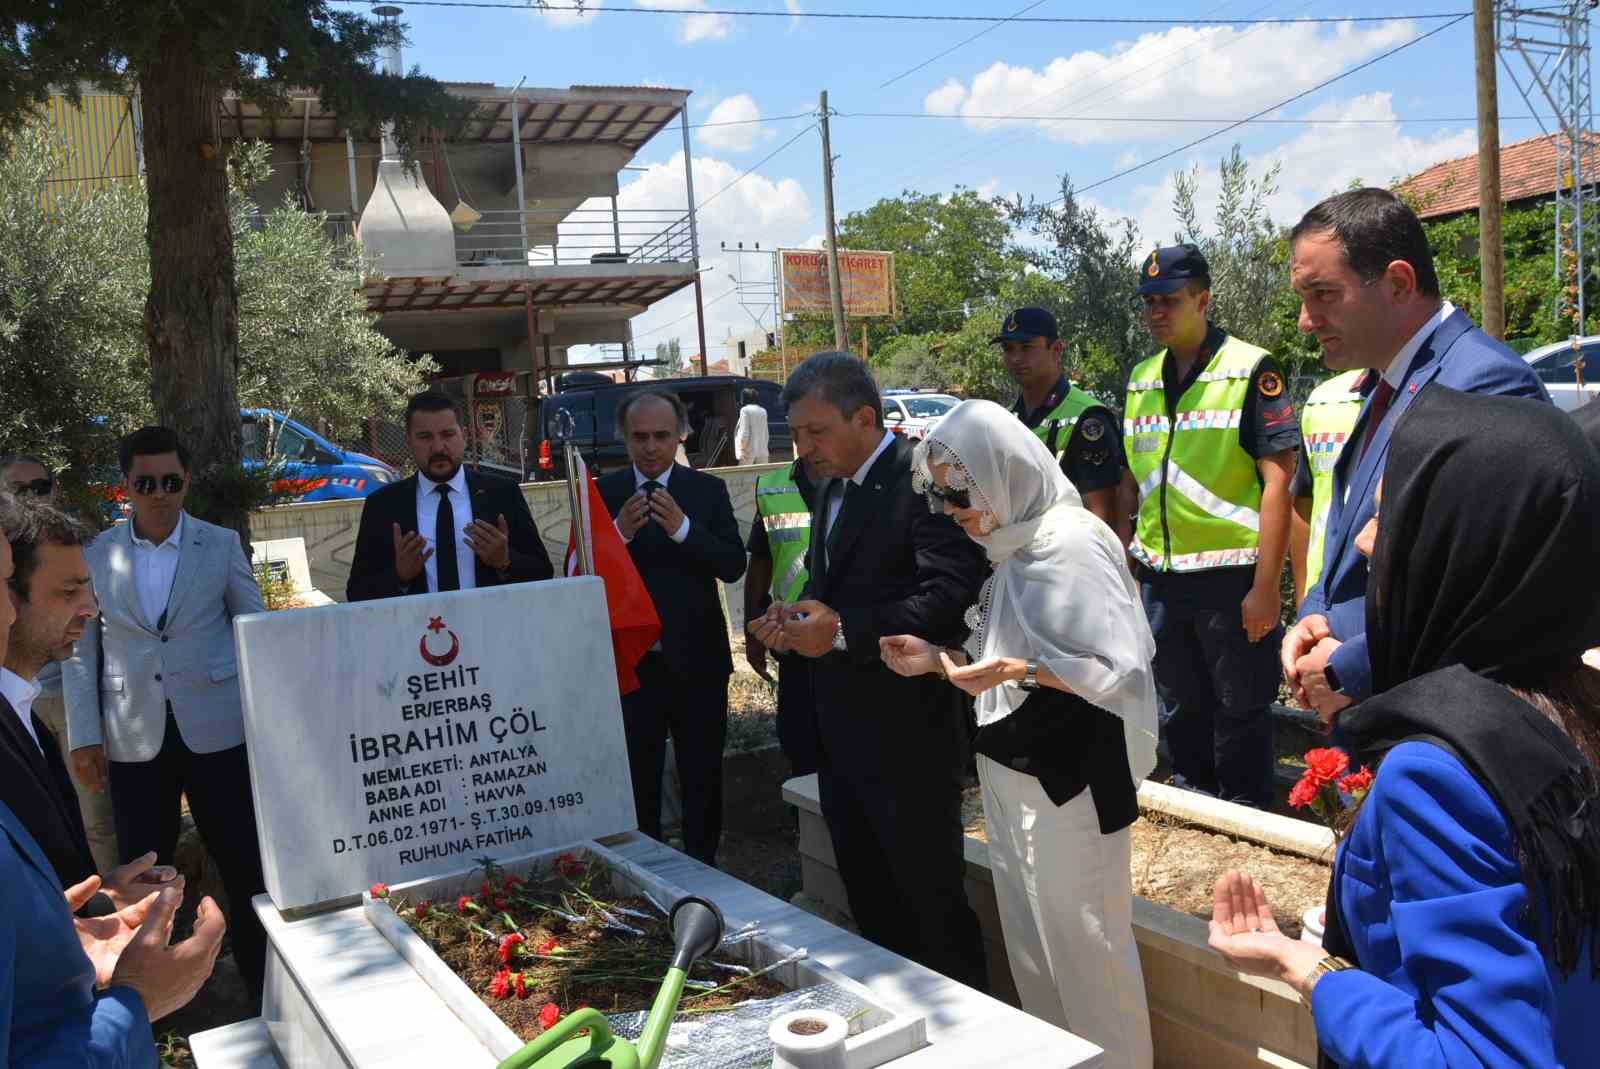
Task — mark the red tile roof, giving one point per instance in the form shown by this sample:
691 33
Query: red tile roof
1527 169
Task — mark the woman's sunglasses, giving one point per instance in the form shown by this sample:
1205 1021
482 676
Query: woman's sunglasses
36 487
146 484
961 499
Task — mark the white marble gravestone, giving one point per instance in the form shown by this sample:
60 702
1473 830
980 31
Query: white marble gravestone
396 739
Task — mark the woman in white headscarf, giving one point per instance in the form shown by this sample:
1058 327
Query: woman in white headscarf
1059 662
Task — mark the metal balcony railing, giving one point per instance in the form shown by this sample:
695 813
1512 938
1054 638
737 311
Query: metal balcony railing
583 236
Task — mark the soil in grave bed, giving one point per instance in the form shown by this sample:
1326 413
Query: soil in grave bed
534 952
1175 864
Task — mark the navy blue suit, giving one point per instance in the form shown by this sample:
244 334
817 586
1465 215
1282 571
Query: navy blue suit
51 1017
1459 356
1431 894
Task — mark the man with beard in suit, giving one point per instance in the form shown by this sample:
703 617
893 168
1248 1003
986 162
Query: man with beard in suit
681 533
891 748
444 528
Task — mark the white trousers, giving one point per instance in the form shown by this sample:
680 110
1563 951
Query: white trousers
1065 899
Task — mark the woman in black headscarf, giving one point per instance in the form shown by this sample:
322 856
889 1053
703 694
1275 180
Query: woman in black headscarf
1462 913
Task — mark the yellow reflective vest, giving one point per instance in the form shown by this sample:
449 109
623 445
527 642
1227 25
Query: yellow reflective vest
787 519
1199 492
1329 416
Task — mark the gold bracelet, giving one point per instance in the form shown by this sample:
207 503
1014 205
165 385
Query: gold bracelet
1329 964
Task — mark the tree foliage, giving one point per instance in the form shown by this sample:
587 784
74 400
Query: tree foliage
73 275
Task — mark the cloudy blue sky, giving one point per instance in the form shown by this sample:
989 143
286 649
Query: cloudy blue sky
952 79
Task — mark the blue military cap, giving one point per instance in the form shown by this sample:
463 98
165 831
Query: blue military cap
1025 324
1168 270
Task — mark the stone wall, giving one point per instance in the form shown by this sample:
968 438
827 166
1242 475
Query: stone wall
329 529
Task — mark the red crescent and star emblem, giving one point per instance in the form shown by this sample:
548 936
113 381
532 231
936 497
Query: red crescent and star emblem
438 660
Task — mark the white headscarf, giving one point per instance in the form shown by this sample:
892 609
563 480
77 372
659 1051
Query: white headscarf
1061 593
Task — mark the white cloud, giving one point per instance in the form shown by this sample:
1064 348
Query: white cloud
735 109
565 19
1180 73
776 212
1367 145
694 28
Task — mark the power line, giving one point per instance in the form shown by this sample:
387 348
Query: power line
1158 120
686 315
960 44
1264 111
749 122
884 16
764 161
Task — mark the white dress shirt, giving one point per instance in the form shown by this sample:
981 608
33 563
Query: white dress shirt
428 524
639 479
20 693
836 501
154 568
750 433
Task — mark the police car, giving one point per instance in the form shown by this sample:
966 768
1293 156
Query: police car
1557 367
913 413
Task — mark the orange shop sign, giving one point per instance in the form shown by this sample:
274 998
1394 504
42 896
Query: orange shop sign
866 280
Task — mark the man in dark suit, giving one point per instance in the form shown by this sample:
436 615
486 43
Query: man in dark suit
892 748
1362 267
50 598
681 533
443 528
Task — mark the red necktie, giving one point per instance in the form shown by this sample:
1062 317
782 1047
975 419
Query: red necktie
1381 399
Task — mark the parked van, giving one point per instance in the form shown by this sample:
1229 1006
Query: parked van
314 469
713 404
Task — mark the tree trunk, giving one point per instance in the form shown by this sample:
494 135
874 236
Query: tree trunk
191 316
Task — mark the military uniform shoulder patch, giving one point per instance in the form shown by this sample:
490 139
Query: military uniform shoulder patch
1093 429
1270 384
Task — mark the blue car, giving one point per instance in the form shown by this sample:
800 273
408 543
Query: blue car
314 469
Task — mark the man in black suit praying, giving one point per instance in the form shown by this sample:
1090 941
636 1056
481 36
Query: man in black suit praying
892 748
681 533
444 528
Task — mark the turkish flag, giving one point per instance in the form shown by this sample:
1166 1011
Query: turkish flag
635 627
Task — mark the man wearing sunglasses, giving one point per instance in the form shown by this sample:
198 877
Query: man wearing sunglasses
153 707
31 480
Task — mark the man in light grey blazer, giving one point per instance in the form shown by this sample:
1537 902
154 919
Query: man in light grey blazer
152 691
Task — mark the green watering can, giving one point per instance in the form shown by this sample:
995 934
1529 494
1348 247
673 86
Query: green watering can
696 931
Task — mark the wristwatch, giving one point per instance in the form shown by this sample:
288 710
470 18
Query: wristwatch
1333 678
1030 679
1322 968
838 638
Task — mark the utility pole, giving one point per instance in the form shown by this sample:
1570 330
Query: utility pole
835 294
1491 250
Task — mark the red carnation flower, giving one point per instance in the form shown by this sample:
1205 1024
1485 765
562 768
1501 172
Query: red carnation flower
465 904
484 890
1357 783
549 1015
379 890
1305 791
509 944
1326 765
549 946
567 865
500 986
521 986
424 908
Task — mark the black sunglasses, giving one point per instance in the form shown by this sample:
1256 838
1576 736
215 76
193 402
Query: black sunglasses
961 499
146 484
36 487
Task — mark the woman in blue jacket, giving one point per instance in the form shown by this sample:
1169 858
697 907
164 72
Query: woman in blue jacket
1464 901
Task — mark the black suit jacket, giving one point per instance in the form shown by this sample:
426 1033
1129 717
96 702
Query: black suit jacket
372 571
682 578
896 568
35 787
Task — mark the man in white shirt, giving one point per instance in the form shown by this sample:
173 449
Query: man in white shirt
31 479
750 432
154 713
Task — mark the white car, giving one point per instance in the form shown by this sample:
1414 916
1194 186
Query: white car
1554 364
913 414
